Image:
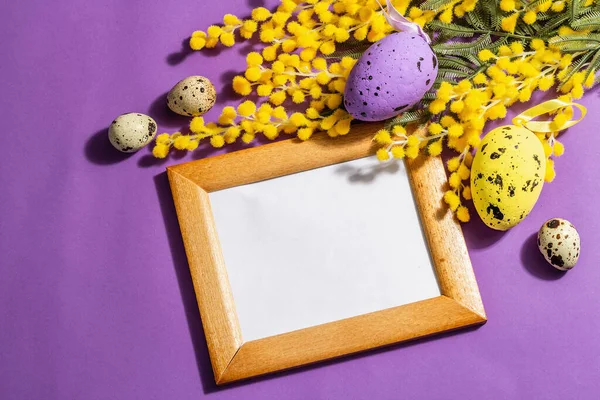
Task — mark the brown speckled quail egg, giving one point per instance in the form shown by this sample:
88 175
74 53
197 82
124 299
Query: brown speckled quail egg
132 131
192 97
559 242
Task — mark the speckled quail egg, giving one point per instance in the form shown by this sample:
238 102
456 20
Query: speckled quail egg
559 242
132 131
192 96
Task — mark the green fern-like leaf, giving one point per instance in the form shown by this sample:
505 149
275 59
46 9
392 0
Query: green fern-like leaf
499 42
545 16
577 9
593 66
407 117
354 50
574 10
453 30
590 22
576 43
455 63
533 4
575 67
536 26
553 24
435 4
441 38
341 54
429 96
474 60
478 20
493 12
452 74
474 73
525 30
463 49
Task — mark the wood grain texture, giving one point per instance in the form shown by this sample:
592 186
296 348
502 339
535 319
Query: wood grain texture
460 304
207 268
347 336
444 234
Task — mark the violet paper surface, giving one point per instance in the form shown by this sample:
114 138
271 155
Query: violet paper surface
96 300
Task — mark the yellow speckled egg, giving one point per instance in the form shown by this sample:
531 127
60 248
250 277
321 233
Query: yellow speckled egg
507 176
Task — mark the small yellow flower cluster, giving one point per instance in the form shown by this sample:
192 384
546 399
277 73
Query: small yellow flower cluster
455 9
318 26
513 76
397 143
528 13
548 66
419 16
247 121
313 25
164 142
552 147
224 34
459 168
298 79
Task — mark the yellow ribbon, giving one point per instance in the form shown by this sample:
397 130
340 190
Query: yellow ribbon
525 119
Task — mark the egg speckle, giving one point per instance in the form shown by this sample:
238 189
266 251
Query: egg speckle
132 131
390 77
559 242
192 96
507 176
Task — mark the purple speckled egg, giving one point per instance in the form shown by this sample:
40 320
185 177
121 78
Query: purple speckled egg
390 77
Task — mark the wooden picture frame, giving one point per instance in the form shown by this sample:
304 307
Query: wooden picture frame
233 359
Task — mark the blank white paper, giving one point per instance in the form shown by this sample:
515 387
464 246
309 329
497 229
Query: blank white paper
322 245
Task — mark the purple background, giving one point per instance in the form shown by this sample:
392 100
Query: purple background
95 295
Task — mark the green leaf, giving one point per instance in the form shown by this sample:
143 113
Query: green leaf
476 19
451 74
574 6
593 66
435 4
534 4
525 30
451 29
577 47
576 43
441 38
341 54
494 13
574 68
536 26
500 42
588 37
545 16
463 49
430 96
480 69
577 10
553 24
474 60
590 22
354 50
407 117
455 63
